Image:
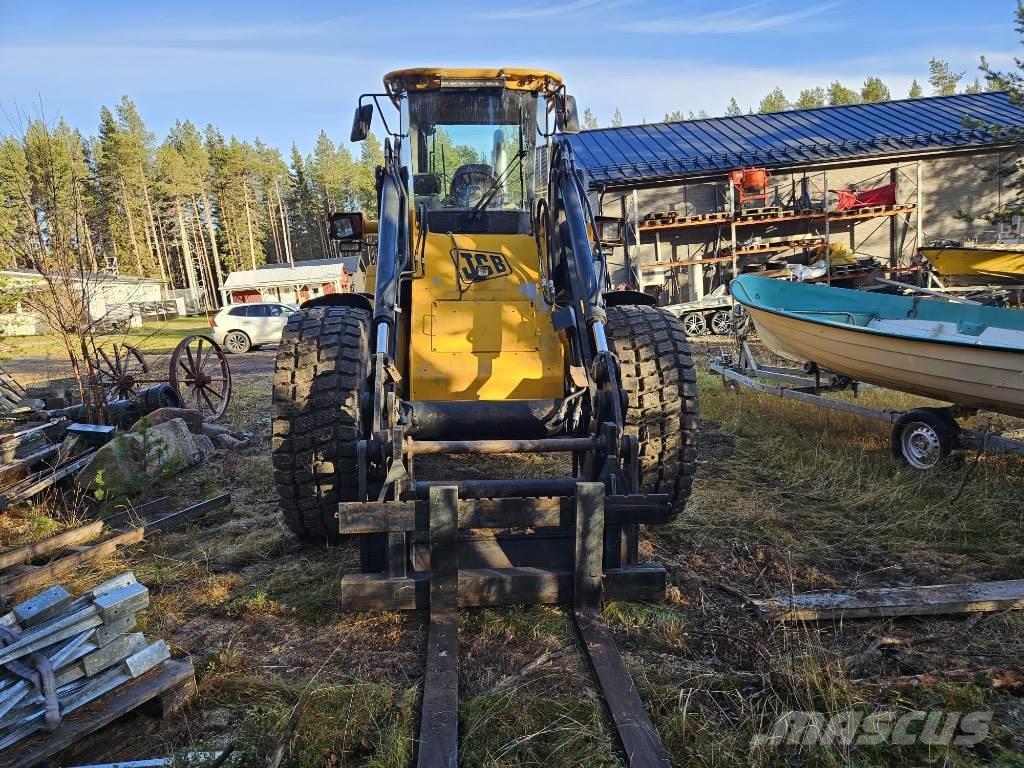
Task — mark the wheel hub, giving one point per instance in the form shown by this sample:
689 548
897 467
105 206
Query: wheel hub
921 446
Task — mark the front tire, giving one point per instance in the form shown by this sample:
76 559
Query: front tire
237 343
659 376
322 362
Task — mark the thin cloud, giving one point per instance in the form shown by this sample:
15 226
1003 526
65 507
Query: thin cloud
734 21
243 33
542 11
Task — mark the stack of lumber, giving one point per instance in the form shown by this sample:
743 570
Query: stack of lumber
58 654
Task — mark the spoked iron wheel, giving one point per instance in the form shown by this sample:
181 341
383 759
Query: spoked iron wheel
120 369
200 373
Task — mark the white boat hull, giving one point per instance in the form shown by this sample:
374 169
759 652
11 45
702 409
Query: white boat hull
989 379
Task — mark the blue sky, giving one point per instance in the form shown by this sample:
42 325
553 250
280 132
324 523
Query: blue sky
283 71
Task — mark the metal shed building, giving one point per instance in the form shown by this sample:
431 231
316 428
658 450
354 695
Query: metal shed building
670 180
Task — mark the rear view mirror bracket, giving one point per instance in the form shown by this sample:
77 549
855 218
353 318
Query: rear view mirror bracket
568 115
364 116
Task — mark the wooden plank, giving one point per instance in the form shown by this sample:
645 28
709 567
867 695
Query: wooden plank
68 563
20 469
439 717
137 514
90 718
42 480
499 586
530 512
70 537
637 734
74 559
182 516
895 601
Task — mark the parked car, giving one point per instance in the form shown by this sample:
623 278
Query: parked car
239 328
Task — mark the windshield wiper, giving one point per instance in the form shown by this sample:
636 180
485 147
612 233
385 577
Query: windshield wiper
496 184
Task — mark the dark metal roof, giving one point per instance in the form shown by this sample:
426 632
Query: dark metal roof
661 152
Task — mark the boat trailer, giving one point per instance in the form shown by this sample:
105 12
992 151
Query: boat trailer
922 437
583 548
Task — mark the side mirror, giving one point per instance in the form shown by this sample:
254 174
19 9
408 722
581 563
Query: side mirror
346 227
361 122
569 118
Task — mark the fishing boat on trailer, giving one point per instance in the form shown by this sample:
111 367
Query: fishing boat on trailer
967 354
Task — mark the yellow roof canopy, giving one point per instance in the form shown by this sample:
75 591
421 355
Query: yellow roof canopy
428 78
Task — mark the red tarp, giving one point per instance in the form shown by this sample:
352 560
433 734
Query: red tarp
878 196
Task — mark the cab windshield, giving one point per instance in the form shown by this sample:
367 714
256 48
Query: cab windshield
473 158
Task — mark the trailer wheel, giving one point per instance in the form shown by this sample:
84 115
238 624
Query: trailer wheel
924 437
721 323
695 324
321 363
658 373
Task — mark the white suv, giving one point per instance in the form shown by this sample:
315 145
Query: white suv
241 327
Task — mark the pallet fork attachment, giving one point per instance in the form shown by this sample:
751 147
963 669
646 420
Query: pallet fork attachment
586 519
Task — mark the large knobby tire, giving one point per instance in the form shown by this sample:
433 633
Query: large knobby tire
321 363
658 374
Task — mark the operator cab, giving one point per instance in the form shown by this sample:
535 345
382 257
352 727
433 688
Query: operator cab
474 158
476 141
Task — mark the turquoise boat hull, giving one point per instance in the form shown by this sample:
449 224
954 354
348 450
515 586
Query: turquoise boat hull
966 354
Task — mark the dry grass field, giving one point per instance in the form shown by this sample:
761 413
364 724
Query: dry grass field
788 498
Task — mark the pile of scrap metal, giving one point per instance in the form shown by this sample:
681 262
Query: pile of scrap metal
59 655
41 446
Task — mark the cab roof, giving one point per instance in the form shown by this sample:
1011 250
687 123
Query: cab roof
430 78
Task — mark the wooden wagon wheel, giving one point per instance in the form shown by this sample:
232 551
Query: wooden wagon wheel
201 375
119 370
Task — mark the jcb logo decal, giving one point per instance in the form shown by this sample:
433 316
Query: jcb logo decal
477 266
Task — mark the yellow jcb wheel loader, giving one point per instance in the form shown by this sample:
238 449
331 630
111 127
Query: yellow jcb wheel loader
491 328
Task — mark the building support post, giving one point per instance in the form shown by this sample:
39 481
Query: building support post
636 232
828 242
894 251
919 211
730 199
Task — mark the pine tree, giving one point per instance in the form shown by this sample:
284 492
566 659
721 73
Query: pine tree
371 157
774 102
916 92
839 94
975 87
874 90
135 148
303 209
589 121
943 79
616 119
733 109
676 116
810 98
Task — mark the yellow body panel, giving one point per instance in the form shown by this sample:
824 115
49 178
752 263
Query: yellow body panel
998 262
486 334
515 78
